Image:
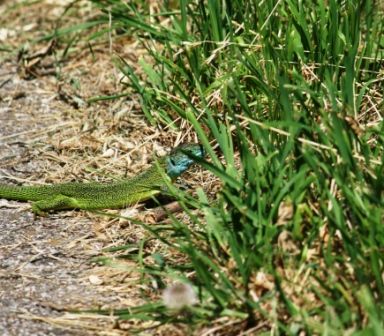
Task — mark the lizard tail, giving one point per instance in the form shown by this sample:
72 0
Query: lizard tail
20 193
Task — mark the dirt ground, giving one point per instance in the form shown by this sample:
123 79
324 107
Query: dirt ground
44 261
49 133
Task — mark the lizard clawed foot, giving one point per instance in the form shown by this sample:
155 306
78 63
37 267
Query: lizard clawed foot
37 211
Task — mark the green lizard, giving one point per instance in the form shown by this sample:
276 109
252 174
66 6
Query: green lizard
94 195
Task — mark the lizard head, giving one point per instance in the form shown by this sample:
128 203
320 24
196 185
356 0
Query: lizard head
181 157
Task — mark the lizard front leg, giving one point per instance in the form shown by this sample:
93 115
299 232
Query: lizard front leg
58 202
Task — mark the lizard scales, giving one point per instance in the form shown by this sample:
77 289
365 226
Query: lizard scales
93 195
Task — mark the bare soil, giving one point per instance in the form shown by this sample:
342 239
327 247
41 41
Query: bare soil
49 133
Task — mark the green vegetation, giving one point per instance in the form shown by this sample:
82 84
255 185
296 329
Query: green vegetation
287 99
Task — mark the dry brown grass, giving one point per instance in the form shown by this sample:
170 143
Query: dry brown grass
62 138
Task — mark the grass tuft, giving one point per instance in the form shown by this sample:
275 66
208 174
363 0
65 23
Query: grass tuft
286 98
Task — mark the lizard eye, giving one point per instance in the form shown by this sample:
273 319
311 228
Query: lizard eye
173 162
